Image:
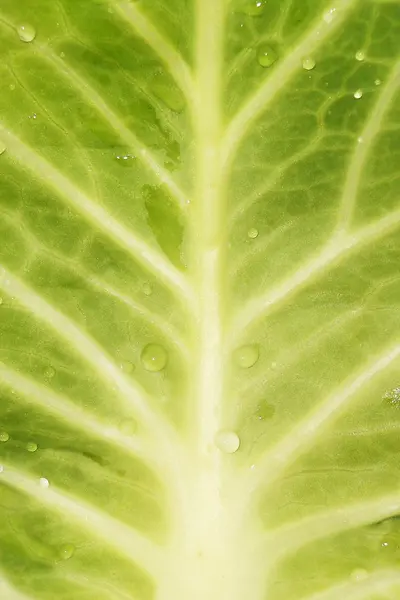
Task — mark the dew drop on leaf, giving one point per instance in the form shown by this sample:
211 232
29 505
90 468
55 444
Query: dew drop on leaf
252 233
266 56
359 574
67 551
253 8
360 55
265 411
3 147
49 372
147 289
358 94
378 82
26 33
247 356
4 436
154 357
330 15
1 468
125 160
127 367
43 482
309 63
393 397
31 447
227 441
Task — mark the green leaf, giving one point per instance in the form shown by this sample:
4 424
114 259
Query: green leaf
199 300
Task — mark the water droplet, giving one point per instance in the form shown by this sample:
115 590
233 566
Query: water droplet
358 94
127 367
247 356
330 15
43 482
49 372
378 82
265 411
252 233
128 427
253 8
309 63
393 397
385 544
227 441
266 56
4 437
3 147
360 140
125 159
62 54
26 33
1 468
31 447
147 289
12 86
154 357
360 55
67 551
359 574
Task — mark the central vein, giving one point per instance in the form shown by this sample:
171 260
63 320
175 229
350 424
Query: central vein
209 226
208 260
207 543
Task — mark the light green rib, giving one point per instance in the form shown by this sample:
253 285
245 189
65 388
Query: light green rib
304 435
97 215
126 541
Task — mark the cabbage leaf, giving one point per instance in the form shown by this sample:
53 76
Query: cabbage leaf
199 300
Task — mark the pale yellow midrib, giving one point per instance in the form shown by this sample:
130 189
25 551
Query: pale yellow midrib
200 517
208 226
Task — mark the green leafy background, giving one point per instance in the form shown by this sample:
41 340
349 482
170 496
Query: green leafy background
159 186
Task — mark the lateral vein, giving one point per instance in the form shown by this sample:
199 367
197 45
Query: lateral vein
338 247
275 82
172 59
363 148
377 582
144 154
86 347
293 536
303 436
9 592
95 213
63 408
123 538
98 283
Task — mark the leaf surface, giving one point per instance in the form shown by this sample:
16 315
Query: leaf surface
199 300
